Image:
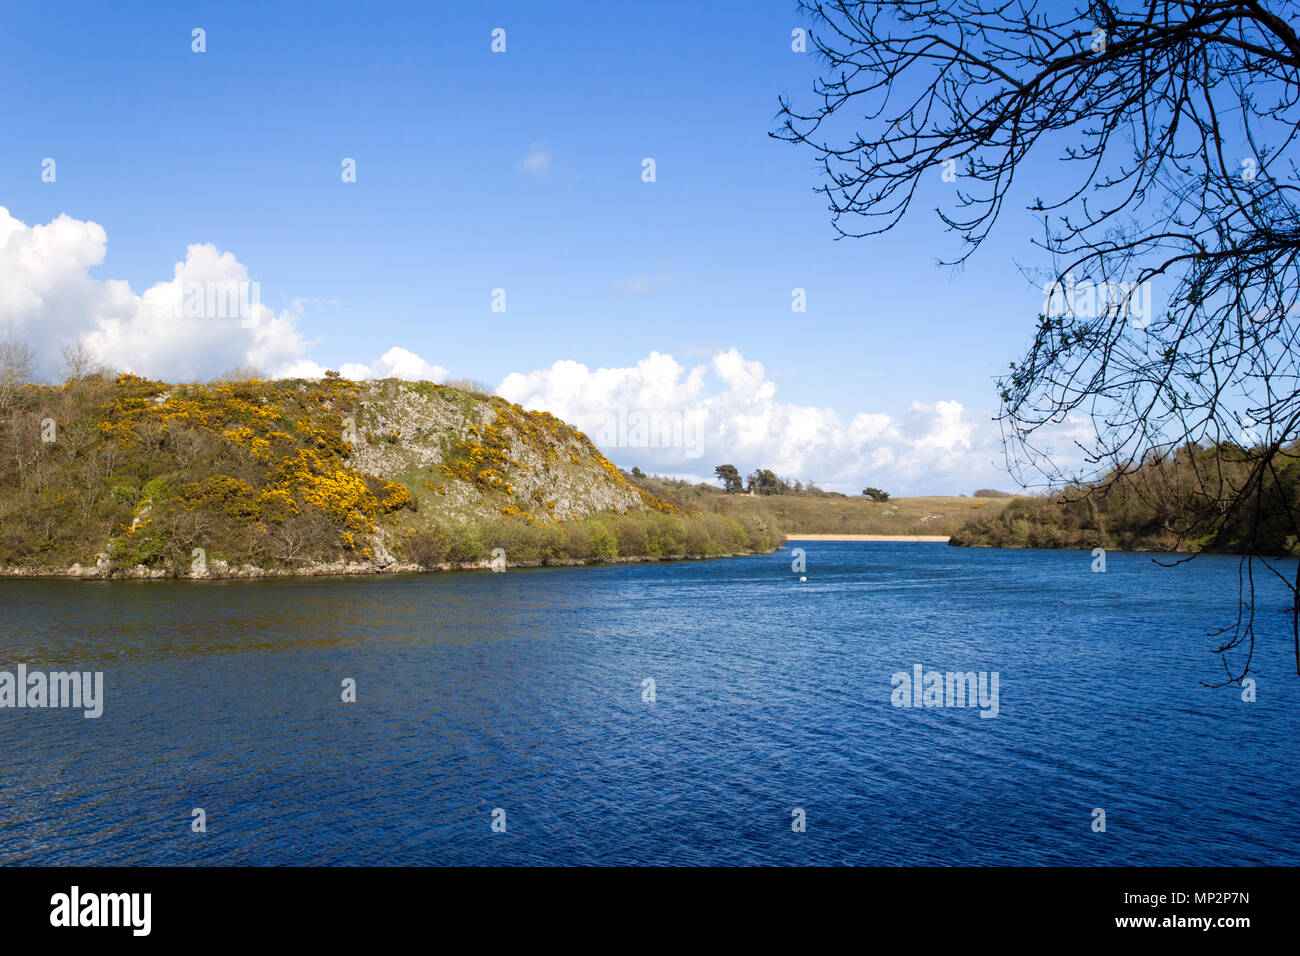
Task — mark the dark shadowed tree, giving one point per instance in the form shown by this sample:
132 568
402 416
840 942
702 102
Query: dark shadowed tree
764 481
730 477
1168 132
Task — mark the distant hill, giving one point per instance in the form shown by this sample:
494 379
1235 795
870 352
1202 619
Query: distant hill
819 512
138 477
1187 499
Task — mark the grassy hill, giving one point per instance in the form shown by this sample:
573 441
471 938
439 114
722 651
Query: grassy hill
132 476
829 513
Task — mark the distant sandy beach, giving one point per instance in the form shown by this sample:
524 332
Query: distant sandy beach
936 538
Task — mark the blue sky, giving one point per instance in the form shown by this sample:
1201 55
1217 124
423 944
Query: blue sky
240 147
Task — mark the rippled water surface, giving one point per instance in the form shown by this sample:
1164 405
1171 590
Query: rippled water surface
523 691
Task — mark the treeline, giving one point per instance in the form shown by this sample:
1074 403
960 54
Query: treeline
601 538
1222 498
763 481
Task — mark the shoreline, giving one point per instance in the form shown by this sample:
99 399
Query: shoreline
928 538
333 569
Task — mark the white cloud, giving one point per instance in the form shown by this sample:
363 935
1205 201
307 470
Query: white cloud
189 327
537 162
665 417
396 363
205 320
657 414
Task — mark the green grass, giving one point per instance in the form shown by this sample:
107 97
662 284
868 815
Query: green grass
836 514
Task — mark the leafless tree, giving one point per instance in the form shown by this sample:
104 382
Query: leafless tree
1164 134
18 364
79 361
242 373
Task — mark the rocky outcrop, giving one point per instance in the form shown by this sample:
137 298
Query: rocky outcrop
294 477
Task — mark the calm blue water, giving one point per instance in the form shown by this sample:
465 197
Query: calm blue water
523 691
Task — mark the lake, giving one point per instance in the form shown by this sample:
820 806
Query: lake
523 699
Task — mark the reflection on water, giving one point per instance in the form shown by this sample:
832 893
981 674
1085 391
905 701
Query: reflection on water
523 691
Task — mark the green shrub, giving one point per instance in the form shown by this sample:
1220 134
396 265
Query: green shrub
578 545
604 544
632 538
426 548
697 537
726 534
465 544
666 536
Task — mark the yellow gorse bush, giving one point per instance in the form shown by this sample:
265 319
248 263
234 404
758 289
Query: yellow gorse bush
294 429
260 472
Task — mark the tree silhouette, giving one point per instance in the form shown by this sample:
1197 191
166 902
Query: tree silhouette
731 480
1174 127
